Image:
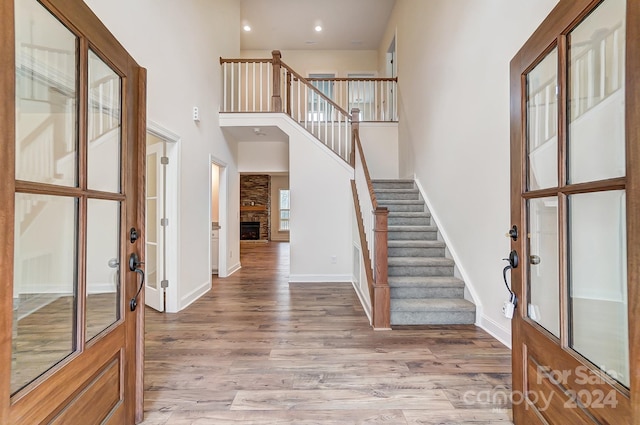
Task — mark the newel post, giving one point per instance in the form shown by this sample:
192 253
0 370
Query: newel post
355 128
276 100
381 295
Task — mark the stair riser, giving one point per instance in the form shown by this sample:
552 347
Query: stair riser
409 221
415 252
433 318
417 292
400 196
430 235
403 207
420 270
393 185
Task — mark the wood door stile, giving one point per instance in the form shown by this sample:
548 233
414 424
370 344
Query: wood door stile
7 190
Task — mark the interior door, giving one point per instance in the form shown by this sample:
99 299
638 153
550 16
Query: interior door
575 167
155 231
72 116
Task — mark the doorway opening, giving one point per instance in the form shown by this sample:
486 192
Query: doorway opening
161 212
218 216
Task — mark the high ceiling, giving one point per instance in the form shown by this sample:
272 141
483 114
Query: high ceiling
290 24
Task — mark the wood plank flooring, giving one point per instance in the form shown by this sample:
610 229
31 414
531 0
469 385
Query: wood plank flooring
257 350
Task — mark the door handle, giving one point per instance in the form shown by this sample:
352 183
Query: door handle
513 264
134 266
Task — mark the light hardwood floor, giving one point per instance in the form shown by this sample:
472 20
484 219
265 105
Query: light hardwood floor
258 350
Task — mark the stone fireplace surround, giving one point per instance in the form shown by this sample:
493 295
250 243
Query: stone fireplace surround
255 202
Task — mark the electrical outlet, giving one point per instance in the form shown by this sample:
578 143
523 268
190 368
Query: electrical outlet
334 259
230 254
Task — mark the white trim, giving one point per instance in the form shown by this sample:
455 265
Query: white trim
172 202
365 306
192 296
320 278
494 329
456 258
161 132
234 269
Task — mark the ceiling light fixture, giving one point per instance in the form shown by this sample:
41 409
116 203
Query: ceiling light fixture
247 28
318 28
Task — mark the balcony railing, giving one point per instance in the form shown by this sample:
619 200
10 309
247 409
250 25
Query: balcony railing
270 85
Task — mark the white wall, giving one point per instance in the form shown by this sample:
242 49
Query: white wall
321 202
339 62
263 157
179 43
453 73
380 145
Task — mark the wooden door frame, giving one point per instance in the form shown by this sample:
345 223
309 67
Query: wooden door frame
79 18
559 21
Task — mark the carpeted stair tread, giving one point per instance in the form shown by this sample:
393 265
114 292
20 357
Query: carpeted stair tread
399 243
428 281
400 201
409 214
420 261
433 305
403 228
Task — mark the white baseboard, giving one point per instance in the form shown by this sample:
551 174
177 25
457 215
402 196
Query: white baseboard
320 278
366 307
458 263
231 270
497 331
192 296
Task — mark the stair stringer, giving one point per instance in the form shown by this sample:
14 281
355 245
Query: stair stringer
499 332
459 270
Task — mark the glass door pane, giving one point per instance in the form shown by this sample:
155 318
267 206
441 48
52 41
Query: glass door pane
104 123
596 95
45 285
543 264
46 97
542 123
598 280
103 265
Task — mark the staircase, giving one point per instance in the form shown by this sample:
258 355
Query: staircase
422 285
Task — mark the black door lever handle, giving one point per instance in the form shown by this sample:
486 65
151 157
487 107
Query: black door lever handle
134 266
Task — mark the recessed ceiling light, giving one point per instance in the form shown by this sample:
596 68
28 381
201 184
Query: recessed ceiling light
318 28
247 28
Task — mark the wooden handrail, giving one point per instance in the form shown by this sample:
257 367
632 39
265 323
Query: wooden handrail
356 141
394 79
378 282
366 255
315 89
223 60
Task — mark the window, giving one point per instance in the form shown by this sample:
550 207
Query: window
284 210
